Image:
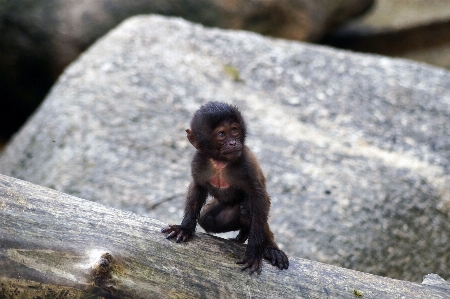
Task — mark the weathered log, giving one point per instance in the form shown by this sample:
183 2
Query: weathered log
54 245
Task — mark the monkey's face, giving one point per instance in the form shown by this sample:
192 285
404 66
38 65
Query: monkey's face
227 140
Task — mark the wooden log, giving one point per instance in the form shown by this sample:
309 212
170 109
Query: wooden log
53 245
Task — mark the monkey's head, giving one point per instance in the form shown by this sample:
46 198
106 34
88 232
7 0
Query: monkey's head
218 130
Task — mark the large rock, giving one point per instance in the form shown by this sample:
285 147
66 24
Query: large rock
40 37
355 148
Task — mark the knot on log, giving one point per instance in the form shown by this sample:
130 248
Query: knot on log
101 267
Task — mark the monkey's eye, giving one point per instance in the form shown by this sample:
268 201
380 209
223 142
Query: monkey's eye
221 134
234 130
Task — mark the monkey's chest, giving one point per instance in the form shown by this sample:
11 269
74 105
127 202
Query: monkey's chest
219 181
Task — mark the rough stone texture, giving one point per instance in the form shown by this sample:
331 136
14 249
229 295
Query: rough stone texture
355 148
413 29
39 38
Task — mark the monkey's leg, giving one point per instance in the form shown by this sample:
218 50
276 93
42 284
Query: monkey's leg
245 224
216 217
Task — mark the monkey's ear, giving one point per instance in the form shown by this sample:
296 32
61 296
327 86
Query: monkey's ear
192 139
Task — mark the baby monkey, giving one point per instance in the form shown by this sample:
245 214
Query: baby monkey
225 168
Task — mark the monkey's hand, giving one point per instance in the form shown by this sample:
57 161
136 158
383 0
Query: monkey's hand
182 233
251 261
276 257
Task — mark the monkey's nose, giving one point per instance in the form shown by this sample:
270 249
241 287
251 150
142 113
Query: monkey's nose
232 142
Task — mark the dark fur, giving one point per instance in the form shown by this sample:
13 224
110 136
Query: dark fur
243 205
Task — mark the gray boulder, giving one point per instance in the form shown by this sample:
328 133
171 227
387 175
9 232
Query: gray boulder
355 148
39 38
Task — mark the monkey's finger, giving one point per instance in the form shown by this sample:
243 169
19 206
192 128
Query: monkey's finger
246 266
285 262
257 267
273 257
281 262
168 229
171 235
180 237
277 258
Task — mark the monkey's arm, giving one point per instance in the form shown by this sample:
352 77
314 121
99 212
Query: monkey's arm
261 240
194 202
258 211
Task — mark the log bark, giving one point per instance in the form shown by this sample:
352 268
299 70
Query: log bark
53 245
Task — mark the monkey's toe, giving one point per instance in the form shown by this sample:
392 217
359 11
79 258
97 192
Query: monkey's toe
253 264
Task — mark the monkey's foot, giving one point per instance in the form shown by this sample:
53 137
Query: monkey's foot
240 238
182 233
276 257
254 264
237 239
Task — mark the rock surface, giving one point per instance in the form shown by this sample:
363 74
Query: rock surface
39 38
355 148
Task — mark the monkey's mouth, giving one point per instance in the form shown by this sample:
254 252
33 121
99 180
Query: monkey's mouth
231 151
